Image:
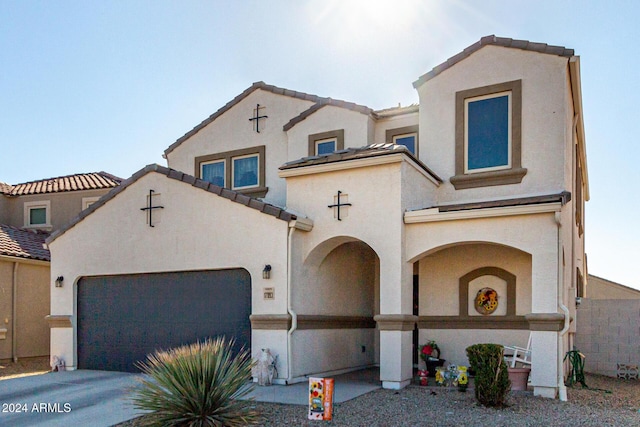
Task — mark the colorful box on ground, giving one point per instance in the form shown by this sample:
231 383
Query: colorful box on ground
320 398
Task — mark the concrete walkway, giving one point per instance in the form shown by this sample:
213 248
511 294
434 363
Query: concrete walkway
346 387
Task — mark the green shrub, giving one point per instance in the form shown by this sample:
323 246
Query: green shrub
197 385
491 375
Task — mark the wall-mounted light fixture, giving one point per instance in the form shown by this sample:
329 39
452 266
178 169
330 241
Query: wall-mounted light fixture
578 301
59 281
266 272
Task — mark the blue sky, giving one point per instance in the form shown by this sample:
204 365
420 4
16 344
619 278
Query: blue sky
108 85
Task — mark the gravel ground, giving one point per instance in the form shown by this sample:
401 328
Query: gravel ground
24 367
427 406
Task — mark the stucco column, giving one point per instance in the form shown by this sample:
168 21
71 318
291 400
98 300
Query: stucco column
544 375
396 323
545 321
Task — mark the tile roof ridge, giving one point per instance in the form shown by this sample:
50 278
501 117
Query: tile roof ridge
496 41
68 176
66 183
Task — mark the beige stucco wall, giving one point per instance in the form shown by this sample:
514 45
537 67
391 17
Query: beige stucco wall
532 234
374 218
400 121
32 305
544 105
355 125
440 273
196 230
64 206
227 133
343 284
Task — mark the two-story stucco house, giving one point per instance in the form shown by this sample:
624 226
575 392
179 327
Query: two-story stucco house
341 237
28 213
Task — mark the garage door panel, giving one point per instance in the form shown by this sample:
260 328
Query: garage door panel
123 318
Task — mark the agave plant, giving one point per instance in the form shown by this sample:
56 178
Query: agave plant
197 385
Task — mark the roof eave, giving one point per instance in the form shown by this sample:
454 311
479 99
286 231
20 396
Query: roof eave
234 196
576 90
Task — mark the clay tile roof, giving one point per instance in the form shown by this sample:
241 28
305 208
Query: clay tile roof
318 100
16 242
82 181
355 154
233 196
5 188
496 41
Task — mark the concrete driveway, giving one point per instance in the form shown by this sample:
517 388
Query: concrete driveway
73 398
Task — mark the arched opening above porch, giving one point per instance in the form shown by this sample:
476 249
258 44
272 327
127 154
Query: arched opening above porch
335 296
453 277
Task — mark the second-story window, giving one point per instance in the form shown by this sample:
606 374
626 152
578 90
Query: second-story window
487 135
488 138
37 214
326 142
214 172
325 146
245 171
240 170
407 136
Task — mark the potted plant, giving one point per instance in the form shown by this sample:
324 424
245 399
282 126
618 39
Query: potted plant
430 353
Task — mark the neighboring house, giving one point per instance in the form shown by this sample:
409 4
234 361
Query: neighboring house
24 284
28 213
341 237
599 288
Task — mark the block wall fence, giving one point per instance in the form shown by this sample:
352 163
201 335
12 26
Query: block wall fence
608 333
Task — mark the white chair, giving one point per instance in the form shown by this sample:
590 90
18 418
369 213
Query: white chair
519 354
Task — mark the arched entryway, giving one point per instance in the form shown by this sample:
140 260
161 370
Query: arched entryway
335 299
449 280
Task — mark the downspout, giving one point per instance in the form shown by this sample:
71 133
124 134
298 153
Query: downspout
562 389
294 316
14 312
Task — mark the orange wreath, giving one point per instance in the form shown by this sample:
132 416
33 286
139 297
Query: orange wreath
486 301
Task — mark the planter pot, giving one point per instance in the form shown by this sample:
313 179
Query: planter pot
432 365
519 378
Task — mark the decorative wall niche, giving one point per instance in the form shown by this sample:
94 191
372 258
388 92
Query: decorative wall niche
503 282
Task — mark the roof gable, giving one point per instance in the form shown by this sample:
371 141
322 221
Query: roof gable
233 196
77 182
16 242
318 100
495 41
328 102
